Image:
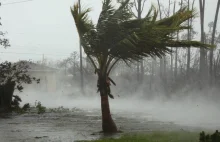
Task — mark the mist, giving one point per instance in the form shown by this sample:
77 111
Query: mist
124 69
196 109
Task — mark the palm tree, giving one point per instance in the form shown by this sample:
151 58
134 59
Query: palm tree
118 36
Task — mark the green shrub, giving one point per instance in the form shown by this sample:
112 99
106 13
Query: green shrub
40 108
215 137
15 105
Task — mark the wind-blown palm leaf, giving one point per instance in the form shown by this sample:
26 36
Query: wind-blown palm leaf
82 22
109 24
186 43
118 36
177 18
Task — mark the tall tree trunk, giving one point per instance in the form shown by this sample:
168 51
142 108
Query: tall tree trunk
161 59
80 57
216 67
189 37
175 68
164 59
139 4
171 64
188 50
213 42
6 93
202 69
138 71
153 62
74 68
171 68
176 51
140 67
108 125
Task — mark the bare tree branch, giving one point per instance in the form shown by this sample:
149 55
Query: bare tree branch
158 1
132 12
135 5
142 8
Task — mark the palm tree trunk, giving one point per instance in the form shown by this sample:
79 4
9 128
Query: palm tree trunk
108 125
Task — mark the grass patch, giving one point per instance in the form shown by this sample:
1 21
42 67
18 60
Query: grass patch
155 137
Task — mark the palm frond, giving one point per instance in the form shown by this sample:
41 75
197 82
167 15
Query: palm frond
178 18
83 24
186 43
119 37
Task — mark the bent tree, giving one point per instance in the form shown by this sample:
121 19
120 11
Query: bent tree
13 76
118 36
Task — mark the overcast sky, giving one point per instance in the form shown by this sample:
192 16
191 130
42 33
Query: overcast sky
46 27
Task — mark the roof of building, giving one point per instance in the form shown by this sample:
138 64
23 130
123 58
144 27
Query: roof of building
39 67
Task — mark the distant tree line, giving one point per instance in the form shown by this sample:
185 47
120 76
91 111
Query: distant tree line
183 68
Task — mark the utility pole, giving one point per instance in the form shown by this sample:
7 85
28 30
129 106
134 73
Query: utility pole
80 56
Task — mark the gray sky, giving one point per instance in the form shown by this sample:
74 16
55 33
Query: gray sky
46 27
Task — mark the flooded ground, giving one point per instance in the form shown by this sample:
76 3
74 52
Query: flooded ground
76 125
84 121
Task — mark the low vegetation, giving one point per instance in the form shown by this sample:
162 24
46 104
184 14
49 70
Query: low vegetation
60 109
26 108
37 108
155 137
165 137
40 108
215 137
15 105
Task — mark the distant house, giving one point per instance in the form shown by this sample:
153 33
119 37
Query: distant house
47 76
